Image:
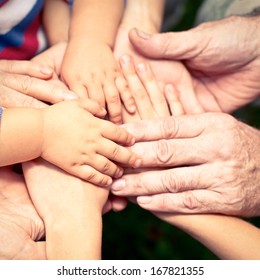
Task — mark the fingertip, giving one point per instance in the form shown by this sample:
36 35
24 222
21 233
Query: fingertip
144 200
46 70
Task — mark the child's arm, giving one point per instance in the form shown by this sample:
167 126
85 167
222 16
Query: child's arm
56 20
227 237
70 208
67 135
89 67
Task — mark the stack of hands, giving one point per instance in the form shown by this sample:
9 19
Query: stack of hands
195 157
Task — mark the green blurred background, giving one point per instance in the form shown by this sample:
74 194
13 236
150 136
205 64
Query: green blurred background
135 234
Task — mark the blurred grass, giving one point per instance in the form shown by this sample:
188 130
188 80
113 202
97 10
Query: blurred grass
137 234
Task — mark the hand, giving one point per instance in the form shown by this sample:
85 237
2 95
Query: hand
164 71
23 82
224 76
84 145
150 102
213 163
91 72
20 225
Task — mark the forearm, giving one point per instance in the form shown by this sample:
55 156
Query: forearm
146 15
70 208
227 237
21 131
95 19
56 20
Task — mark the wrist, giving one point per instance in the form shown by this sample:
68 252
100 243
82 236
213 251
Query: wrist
145 15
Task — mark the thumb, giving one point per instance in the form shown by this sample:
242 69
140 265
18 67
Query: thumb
170 45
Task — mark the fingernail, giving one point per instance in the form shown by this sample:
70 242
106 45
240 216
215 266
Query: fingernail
141 67
47 70
144 199
142 34
119 173
125 59
67 95
132 109
118 185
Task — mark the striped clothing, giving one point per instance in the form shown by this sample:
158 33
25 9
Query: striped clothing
21 34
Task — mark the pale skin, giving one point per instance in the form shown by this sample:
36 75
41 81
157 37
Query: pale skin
45 180
237 144
71 210
20 225
224 77
147 16
89 67
227 237
51 133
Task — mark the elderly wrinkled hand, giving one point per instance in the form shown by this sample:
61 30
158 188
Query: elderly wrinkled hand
212 163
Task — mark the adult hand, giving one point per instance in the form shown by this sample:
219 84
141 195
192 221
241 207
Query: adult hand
24 83
165 71
20 225
213 165
222 58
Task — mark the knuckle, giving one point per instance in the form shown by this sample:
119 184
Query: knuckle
106 167
171 182
164 151
113 98
169 127
116 152
190 201
26 84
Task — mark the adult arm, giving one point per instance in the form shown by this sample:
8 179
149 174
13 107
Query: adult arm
213 165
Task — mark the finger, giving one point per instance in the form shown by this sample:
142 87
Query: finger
118 203
190 202
156 96
136 87
95 92
113 102
160 181
105 166
92 107
26 68
11 98
36 88
171 152
170 45
117 134
186 126
125 94
118 153
91 175
172 97
79 90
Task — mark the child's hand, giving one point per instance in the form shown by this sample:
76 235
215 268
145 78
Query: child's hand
91 72
83 145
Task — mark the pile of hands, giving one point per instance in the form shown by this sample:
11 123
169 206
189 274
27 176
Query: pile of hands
176 96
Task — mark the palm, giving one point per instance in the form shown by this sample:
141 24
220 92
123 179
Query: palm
20 225
164 71
230 88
